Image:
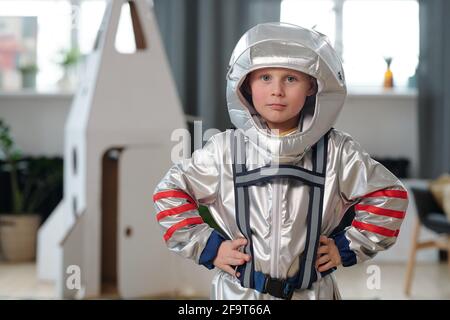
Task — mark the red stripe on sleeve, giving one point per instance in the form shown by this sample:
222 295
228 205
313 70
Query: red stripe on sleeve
388 193
381 211
375 229
176 210
181 224
172 194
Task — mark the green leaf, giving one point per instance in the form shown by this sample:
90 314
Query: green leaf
207 217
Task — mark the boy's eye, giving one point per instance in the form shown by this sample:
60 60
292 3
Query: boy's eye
265 77
291 79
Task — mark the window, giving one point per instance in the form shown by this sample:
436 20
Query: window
53 34
313 14
90 15
364 32
62 25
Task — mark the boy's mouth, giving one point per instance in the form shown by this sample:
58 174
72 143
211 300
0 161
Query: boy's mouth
277 106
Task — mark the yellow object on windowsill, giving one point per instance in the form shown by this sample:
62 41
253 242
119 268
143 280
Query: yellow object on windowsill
388 75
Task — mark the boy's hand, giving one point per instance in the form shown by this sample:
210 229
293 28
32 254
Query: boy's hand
327 255
229 256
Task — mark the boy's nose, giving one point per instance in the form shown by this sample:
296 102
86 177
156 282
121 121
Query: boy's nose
277 89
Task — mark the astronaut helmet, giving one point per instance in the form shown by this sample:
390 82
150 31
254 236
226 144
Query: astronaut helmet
288 46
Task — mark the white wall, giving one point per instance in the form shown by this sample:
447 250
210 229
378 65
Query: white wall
36 121
385 124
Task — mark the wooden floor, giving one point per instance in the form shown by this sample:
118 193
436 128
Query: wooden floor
18 281
431 281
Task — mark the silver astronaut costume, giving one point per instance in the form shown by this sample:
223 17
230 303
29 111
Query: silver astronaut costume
281 192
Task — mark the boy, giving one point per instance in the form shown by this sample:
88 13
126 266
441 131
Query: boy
280 183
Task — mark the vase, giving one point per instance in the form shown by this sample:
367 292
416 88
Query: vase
18 233
388 75
388 79
29 80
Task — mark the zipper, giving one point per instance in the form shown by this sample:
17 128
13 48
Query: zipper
276 225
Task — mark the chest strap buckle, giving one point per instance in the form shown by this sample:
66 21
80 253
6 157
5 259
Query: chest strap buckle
279 288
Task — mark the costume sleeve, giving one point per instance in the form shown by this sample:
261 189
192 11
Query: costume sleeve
381 202
186 185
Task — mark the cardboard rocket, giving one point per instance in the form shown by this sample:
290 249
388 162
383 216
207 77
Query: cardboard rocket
103 238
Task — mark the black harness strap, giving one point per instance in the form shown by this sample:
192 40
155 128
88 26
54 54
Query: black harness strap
315 179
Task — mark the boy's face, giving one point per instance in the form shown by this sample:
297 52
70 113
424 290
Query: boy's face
279 94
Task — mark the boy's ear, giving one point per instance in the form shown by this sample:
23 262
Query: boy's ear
313 89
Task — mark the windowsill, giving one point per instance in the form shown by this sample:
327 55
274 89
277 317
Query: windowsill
32 93
379 92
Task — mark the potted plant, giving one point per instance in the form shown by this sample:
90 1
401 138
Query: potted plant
28 72
18 229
